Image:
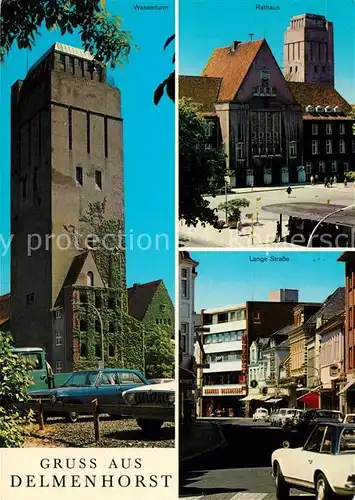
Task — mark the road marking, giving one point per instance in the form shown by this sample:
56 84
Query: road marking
249 496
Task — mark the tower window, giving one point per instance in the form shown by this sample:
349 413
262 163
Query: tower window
35 180
24 188
98 351
84 349
98 179
79 176
90 278
316 69
296 69
290 69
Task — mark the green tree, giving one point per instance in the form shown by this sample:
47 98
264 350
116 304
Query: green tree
14 383
201 171
232 208
158 353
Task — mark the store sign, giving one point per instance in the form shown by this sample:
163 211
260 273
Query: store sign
237 390
244 353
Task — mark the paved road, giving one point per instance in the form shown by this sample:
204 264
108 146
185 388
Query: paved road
265 232
239 471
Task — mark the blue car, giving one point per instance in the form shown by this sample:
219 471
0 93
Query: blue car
82 387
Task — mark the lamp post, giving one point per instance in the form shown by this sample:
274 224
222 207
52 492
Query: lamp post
309 243
227 181
83 304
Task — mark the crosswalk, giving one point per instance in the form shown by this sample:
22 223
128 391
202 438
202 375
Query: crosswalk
244 495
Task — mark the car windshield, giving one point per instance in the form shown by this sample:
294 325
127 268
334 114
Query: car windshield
328 415
350 419
82 379
347 441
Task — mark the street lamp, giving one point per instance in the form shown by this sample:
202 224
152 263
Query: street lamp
343 209
102 362
227 181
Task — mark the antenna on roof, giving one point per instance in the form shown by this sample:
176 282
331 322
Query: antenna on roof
251 36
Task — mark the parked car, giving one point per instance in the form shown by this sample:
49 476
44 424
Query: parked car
310 418
324 465
274 417
292 422
278 416
287 416
82 387
261 414
349 418
151 405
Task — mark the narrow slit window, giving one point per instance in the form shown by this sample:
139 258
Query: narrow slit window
79 175
98 179
88 133
70 128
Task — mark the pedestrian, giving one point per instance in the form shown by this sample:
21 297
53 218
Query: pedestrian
325 182
312 180
278 232
289 191
240 228
331 182
316 177
335 179
345 182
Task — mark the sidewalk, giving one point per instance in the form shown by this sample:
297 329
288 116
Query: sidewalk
199 438
248 190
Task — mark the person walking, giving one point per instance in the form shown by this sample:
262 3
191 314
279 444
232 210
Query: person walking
312 180
316 178
325 182
331 182
289 191
335 179
240 228
278 232
345 182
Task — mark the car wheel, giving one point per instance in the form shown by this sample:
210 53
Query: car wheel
282 488
323 490
72 417
149 425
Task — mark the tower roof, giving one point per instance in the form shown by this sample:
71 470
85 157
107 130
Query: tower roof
63 49
140 297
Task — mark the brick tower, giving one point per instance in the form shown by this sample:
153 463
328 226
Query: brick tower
66 152
309 50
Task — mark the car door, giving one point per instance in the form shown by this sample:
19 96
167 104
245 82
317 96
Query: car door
311 456
108 387
322 459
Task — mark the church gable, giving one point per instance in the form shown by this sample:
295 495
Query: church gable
265 79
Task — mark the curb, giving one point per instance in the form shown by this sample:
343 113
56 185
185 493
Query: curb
222 444
267 190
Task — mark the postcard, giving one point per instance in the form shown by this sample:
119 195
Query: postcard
87 285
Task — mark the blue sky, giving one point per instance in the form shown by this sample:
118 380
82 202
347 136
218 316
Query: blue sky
207 24
227 278
148 138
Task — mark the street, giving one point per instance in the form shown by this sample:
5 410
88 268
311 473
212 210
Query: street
264 231
241 470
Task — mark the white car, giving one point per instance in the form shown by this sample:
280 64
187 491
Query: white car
151 405
261 414
287 416
324 466
349 418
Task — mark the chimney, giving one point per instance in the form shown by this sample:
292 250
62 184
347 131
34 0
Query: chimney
234 45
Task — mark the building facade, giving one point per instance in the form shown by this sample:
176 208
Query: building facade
228 334
309 50
66 174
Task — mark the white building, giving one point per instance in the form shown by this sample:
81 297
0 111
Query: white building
187 307
223 384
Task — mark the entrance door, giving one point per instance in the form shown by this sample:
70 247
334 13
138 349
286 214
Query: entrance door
250 178
301 175
285 177
267 176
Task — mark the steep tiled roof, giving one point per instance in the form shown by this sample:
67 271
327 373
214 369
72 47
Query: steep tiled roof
232 66
140 296
201 90
75 269
4 308
312 94
333 305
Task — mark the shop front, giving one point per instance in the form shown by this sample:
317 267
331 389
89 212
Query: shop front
223 400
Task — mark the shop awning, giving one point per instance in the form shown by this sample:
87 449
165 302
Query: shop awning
274 400
254 397
310 399
347 386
